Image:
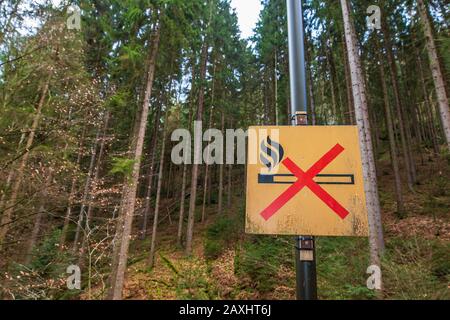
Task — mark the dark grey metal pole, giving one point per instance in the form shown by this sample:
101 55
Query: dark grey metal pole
297 70
305 255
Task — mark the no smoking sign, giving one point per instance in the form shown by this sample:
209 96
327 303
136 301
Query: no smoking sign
306 180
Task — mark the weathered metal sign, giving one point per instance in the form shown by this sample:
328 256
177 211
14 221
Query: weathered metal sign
305 180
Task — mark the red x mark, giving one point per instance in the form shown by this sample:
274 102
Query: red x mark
306 179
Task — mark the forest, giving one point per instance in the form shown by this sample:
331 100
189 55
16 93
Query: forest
91 93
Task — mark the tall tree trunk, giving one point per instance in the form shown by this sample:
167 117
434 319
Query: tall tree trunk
375 130
221 167
182 201
229 187
148 196
370 148
205 183
428 107
185 165
119 224
169 181
438 78
266 100
70 201
332 89
230 179
210 183
116 246
197 149
7 215
38 218
10 177
392 142
309 73
5 189
362 118
94 185
130 187
335 92
86 193
398 103
348 81
151 259
312 105
275 77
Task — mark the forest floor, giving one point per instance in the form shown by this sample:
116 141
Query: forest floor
227 264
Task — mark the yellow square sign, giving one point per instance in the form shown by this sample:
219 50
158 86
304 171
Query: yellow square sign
305 180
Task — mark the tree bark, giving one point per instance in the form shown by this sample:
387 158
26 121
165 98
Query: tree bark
7 215
169 181
348 81
197 149
438 78
362 118
185 165
205 183
392 142
328 56
86 193
229 192
148 196
221 167
230 180
182 201
38 218
94 185
398 103
151 259
428 107
131 185
275 76
10 177
67 218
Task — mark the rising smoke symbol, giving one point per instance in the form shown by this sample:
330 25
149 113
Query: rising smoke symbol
273 150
